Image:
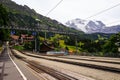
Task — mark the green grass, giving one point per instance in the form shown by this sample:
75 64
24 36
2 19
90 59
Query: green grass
71 48
19 47
0 48
63 45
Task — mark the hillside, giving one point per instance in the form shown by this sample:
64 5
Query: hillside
24 16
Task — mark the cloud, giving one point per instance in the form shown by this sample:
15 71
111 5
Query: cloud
71 9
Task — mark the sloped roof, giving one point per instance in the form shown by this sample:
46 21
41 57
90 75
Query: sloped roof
14 37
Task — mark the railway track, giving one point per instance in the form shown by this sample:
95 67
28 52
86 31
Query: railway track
85 58
58 75
92 59
38 67
69 61
96 57
90 72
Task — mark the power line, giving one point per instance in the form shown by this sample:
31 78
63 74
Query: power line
103 11
54 7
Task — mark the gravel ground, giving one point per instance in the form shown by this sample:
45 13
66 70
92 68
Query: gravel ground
84 71
93 57
82 61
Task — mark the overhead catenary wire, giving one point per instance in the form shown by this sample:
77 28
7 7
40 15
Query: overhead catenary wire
103 11
98 13
54 7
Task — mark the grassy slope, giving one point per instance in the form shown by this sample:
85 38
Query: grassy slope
63 45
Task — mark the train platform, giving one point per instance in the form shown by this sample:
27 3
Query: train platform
8 70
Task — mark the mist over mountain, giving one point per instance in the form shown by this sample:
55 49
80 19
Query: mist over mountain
92 26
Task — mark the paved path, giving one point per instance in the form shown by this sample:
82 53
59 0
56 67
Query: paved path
15 69
8 70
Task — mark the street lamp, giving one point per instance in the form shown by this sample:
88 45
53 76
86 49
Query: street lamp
37 45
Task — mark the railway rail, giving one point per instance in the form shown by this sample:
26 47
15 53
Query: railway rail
92 59
88 73
37 67
58 75
85 58
69 61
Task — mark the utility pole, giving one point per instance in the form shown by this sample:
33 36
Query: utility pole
76 43
36 42
36 36
118 43
35 39
45 35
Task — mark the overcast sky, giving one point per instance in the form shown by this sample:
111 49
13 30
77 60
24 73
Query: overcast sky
71 9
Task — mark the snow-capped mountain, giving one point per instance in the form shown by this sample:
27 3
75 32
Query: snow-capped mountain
112 29
92 26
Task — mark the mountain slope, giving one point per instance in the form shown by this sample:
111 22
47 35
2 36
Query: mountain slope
112 29
24 16
89 26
